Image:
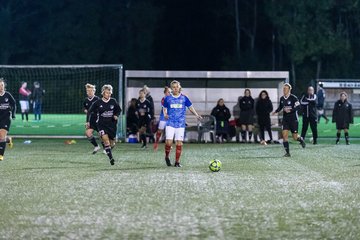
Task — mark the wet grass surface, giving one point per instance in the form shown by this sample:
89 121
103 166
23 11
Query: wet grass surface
50 190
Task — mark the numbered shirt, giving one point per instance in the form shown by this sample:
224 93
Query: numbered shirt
176 110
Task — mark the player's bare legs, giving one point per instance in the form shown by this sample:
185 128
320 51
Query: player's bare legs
3 134
107 143
296 137
90 136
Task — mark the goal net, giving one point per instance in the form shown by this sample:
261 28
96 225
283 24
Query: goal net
64 93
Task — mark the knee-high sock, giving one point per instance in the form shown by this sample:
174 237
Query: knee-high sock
93 141
143 139
300 139
2 147
243 135
270 134
22 116
286 146
158 135
250 135
338 136
347 136
167 150
178 153
27 116
108 152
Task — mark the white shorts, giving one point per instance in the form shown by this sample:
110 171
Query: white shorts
177 132
24 105
162 125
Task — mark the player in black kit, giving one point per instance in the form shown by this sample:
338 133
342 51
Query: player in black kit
145 112
107 110
91 98
290 105
7 112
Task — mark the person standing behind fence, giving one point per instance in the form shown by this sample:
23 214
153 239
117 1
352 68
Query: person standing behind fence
222 115
24 95
246 115
37 96
320 103
132 119
152 120
263 108
343 116
309 113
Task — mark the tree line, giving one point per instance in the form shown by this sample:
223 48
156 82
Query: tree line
311 39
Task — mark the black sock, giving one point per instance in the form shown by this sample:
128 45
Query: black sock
22 116
300 139
286 146
108 152
347 136
2 148
270 135
338 136
243 135
143 139
27 116
39 117
93 141
250 136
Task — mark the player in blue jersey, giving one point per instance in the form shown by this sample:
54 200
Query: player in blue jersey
162 120
174 109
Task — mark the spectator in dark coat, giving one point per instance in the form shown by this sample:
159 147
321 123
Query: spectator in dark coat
309 114
343 117
37 98
264 107
321 95
132 119
222 115
246 115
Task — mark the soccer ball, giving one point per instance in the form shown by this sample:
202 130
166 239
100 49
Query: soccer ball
215 165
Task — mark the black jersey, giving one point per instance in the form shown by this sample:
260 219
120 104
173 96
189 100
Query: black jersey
89 101
7 106
144 109
104 110
292 103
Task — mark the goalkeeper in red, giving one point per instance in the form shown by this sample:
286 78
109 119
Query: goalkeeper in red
174 109
290 106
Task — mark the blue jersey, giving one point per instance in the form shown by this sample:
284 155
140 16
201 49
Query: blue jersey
162 117
176 110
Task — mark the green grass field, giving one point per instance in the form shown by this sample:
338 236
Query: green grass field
74 125
50 190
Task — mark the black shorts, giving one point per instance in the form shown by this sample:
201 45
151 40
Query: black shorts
5 124
93 124
342 125
144 122
246 118
108 128
290 125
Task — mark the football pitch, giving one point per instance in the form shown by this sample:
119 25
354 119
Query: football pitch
50 190
74 125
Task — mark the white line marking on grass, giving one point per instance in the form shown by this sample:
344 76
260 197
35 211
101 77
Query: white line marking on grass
327 130
66 125
51 126
35 126
357 124
19 126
